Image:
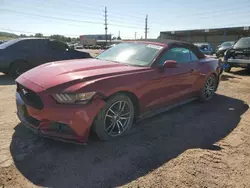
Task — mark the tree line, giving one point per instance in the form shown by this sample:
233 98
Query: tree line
56 37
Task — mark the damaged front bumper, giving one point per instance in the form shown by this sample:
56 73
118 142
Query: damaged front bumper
73 128
243 63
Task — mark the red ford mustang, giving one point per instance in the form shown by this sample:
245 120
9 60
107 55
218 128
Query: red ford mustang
128 82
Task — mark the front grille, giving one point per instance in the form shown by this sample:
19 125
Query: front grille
30 97
61 128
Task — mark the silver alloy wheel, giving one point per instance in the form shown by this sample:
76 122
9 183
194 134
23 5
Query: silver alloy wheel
117 118
210 87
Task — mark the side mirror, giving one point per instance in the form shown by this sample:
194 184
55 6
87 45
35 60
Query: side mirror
170 64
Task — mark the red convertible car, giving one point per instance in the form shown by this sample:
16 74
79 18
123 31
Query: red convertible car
133 80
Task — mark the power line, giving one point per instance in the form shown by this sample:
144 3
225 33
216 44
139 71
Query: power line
51 17
41 8
191 14
94 8
65 19
89 8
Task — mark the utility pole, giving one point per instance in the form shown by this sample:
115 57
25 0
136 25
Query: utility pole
118 36
110 38
135 35
146 27
106 25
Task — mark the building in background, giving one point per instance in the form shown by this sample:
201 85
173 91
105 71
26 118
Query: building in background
93 39
212 36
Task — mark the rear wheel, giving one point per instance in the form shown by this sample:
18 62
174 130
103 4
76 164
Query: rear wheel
209 88
17 68
115 119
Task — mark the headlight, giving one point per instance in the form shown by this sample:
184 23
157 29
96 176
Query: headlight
69 98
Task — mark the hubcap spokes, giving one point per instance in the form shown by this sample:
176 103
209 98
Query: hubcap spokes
117 118
210 88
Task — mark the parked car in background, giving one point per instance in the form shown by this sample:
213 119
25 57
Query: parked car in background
78 47
220 50
124 84
238 55
112 45
205 48
20 55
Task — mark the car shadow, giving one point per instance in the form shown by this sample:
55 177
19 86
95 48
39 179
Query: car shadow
150 144
225 77
241 72
6 80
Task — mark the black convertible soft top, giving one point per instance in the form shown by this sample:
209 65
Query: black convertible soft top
177 43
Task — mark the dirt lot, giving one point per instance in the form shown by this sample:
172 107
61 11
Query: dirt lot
196 145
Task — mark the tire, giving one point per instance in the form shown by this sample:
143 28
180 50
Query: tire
17 68
107 124
209 88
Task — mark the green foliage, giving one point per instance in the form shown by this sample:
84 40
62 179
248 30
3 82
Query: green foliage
23 35
9 36
5 34
60 38
38 35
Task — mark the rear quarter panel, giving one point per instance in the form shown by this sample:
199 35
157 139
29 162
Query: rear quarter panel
207 67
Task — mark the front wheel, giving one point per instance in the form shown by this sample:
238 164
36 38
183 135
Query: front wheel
209 88
115 119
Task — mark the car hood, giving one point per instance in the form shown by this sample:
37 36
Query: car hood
223 48
55 73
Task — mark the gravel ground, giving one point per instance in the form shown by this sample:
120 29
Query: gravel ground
195 145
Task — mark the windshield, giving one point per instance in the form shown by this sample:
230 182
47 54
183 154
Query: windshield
227 43
243 43
137 54
8 43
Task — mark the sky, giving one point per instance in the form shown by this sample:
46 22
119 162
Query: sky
78 17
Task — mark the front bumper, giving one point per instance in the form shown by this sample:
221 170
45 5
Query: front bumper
244 63
220 53
57 121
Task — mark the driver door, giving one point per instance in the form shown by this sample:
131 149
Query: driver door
175 84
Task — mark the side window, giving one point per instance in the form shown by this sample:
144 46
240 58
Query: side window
42 44
25 45
181 55
193 56
58 46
